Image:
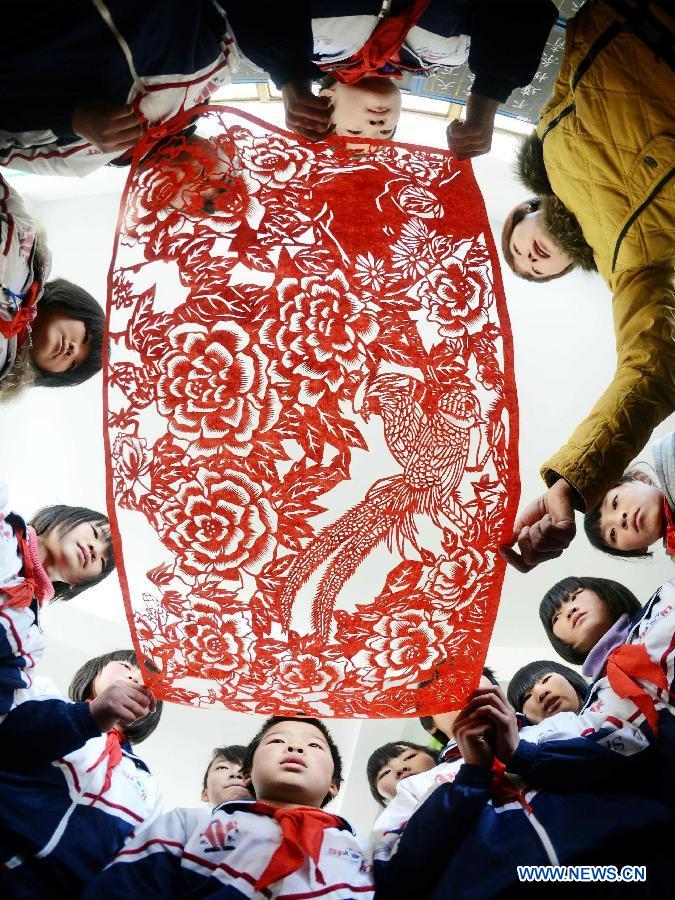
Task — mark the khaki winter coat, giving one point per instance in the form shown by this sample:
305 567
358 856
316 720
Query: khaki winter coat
609 151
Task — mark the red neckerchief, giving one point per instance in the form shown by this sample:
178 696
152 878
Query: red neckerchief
669 536
382 46
628 663
302 831
17 326
112 753
501 789
32 586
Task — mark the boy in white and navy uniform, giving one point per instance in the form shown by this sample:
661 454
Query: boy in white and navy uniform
282 844
71 787
158 56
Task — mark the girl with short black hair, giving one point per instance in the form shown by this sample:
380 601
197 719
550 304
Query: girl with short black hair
72 789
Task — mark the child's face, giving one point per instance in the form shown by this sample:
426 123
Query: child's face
60 342
581 620
293 765
79 555
118 670
632 516
370 108
534 250
551 693
408 762
224 781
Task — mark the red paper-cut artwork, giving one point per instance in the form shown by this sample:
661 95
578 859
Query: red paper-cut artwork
311 421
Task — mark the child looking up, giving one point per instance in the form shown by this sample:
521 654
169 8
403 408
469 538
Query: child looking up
628 652
361 43
223 779
577 612
51 332
391 763
71 788
543 688
636 512
281 844
60 553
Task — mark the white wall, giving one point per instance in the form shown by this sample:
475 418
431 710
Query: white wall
51 451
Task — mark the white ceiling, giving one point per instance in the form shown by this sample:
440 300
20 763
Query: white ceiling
51 451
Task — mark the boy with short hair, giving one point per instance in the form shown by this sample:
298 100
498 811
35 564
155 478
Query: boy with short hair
281 843
223 779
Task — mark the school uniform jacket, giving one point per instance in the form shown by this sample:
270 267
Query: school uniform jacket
163 55
18 264
220 854
22 642
596 787
300 40
58 826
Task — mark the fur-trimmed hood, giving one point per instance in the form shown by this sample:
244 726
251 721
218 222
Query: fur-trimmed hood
558 220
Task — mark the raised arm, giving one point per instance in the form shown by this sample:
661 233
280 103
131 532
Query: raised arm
278 38
507 41
44 727
410 860
639 397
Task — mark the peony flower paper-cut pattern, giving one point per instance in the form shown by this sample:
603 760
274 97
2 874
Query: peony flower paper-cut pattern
311 421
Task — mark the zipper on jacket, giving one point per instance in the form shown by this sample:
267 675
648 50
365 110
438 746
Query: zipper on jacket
384 9
104 13
561 115
597 47
666 178
546 842
539 829
653 33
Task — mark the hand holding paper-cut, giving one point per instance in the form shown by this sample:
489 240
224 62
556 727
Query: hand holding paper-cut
108 127
543 530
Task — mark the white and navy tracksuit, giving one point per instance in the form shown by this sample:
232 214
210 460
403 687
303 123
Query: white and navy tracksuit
303 40
58 826
595 788
162 55
18 265
199 853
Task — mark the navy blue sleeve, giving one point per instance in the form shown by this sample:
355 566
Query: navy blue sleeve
277 38
431 836
155 876
578 763
37 732
507 41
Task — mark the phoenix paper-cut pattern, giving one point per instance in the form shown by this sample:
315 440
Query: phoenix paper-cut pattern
311 420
